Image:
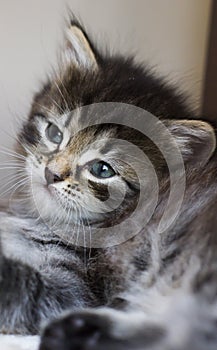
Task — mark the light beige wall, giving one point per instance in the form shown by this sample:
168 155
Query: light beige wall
169 34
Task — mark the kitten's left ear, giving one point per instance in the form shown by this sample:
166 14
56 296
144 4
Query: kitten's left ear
79 49
195 139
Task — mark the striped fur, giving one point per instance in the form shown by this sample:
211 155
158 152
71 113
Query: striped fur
156 290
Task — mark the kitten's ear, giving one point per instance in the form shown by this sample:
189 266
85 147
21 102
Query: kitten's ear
79 49
196 139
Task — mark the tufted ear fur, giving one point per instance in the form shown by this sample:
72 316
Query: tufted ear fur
79 49
196 139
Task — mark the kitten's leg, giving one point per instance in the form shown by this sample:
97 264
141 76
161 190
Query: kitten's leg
27 298
103 329
108 329
38 280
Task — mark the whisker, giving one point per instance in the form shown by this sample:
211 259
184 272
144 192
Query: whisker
12 168
13 162
78 230
13 137
12 178
16 186
68 214
56 104
61 82
48 110
90 233
61 94
11 153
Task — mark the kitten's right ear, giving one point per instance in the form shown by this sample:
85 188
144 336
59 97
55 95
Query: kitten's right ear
79 50
196 139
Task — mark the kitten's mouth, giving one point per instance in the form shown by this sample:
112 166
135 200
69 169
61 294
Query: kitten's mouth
58 198
61 204
54 192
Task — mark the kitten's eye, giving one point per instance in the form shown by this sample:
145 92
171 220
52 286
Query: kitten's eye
54 134
102 170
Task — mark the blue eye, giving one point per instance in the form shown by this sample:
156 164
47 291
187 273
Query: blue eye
102 170
54 134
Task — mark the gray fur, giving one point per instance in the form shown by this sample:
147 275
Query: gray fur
157 290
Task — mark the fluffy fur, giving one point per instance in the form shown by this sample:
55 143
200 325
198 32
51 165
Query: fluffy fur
156 290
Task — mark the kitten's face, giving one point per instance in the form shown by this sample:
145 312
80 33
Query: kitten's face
80 174
73 173
75 176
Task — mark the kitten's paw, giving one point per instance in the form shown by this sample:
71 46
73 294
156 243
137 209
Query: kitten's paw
102 329
80 331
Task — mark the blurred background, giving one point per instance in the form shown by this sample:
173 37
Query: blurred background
171 35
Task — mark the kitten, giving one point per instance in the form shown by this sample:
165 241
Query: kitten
103 141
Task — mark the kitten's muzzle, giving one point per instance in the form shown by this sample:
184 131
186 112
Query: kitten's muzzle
51 177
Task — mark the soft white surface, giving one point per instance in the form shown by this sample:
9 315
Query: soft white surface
12 342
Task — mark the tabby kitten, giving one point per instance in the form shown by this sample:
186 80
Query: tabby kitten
136 286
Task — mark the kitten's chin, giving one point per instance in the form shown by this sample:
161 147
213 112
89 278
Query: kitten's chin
55 210
46 206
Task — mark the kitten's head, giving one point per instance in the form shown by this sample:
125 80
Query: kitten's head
79 172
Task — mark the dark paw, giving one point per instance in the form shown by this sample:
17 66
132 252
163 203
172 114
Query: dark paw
78 331
95 331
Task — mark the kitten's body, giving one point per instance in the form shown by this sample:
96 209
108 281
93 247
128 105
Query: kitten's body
157 289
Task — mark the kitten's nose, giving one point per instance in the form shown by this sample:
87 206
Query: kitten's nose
51 178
